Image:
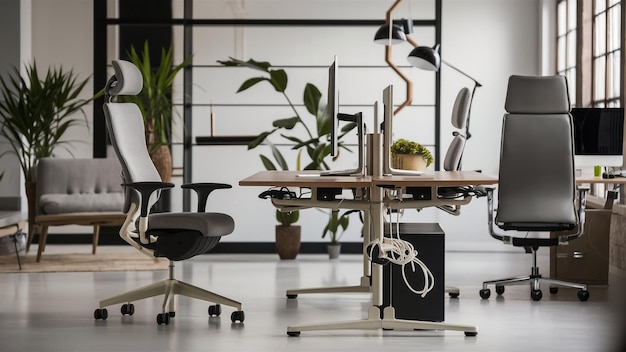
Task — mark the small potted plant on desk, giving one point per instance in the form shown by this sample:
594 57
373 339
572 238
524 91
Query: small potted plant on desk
409 155
287 234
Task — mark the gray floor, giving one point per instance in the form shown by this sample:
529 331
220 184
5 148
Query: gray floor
53 312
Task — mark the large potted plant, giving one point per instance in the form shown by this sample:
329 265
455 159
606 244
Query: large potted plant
155 103
287 234
410 155
35 114
316 145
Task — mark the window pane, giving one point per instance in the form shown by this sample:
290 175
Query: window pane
617 91
571 84
599 34
561 18
571 14
609 78
614 27
600 6
560 54
571 49
598 78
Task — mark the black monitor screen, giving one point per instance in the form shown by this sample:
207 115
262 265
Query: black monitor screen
598 131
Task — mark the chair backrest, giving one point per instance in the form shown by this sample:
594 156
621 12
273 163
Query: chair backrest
536 186
126 130
460 112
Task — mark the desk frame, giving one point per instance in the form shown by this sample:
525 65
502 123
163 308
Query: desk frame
373 204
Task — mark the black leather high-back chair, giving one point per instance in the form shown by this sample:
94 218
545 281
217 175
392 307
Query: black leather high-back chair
175 236
537 184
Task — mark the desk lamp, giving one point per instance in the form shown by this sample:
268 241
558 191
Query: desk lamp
427 58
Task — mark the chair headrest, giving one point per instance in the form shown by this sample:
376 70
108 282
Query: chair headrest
460 109
537 95
128 79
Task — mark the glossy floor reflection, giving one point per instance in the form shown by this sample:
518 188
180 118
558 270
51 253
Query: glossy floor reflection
54 312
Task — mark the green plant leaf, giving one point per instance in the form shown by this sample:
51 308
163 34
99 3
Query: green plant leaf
289 123
278 79
312 98
256 65
251 82
279 157
259 139
269 165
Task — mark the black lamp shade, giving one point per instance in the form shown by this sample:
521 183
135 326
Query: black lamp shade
425 58
382 35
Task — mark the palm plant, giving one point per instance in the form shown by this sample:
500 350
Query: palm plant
36 112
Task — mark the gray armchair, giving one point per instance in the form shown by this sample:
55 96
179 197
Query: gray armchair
175 236
537 185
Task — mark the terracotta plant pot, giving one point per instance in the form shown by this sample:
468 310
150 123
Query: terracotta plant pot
288 241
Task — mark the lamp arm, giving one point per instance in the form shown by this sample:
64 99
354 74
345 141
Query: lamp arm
469 109
461 72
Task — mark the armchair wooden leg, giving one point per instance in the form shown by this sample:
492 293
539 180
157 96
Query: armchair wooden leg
43 237
31 234
96 236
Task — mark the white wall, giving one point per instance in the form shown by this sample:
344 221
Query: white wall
488 39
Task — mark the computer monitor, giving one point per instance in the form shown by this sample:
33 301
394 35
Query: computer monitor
598 136
388 137
335 131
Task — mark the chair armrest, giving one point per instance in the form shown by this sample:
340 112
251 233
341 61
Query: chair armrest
203 189
146 189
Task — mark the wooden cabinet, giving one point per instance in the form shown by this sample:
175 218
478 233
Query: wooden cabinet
586 259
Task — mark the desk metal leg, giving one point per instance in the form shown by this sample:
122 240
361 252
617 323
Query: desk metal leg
365 281
364 287
388 322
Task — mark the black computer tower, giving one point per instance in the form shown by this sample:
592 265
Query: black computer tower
428 240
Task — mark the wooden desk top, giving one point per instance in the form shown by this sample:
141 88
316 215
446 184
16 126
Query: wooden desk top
439 178
435 178
593 179
296 179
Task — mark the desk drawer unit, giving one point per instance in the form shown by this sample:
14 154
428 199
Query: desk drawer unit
585 259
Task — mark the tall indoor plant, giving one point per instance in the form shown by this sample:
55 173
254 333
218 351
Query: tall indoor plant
35 113
316 145
155 103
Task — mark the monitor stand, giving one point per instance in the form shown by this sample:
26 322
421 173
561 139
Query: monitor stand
360 170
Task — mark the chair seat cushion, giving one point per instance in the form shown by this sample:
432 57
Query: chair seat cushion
209 224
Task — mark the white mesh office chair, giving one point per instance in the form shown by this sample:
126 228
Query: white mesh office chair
537 185
175 236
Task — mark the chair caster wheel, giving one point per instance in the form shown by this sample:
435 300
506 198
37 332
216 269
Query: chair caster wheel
499 289
536 295
471 333
237 316
293 333
291 296
554 290
127 309
100 314
583 295
172 314
215 310
485 293
163 319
